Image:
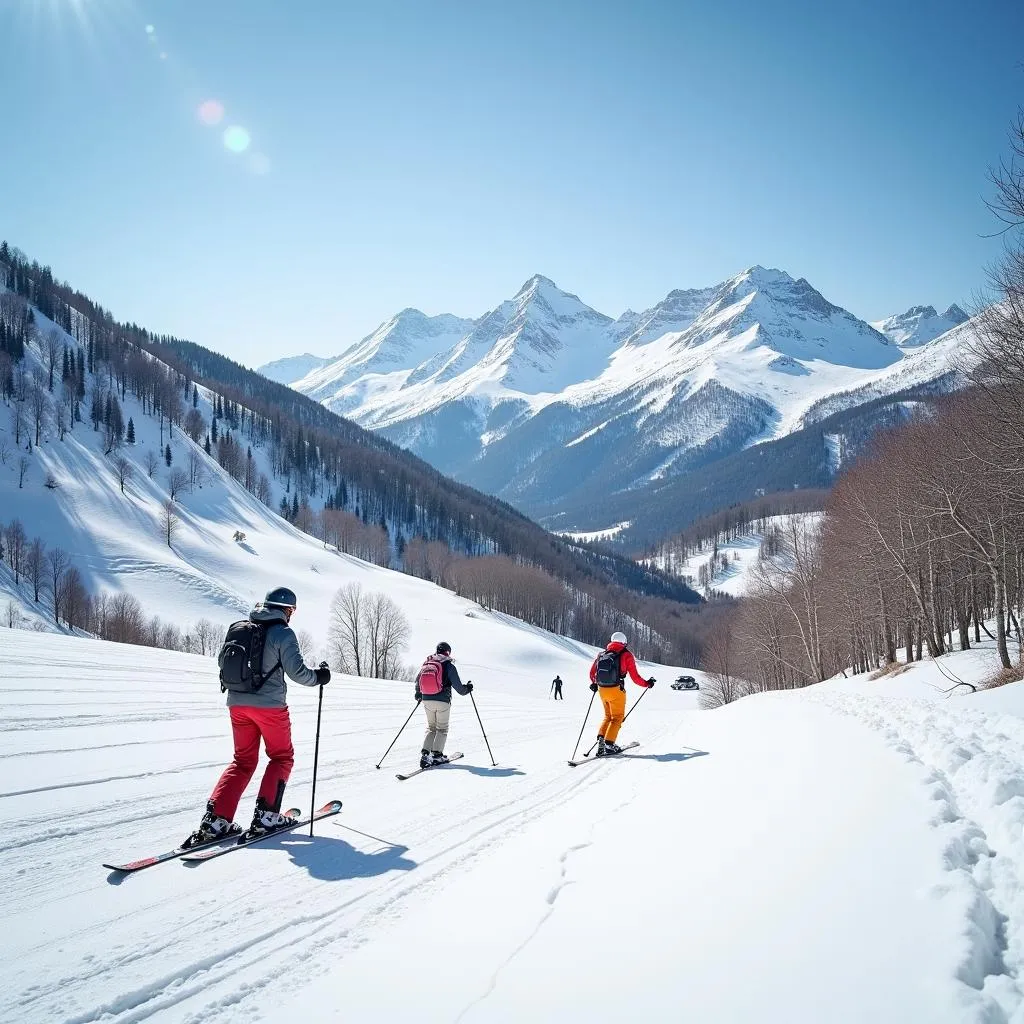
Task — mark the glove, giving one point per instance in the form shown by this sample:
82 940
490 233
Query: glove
419 696
323 674
651 682
469 687
593 687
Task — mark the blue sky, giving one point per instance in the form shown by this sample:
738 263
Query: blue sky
436 154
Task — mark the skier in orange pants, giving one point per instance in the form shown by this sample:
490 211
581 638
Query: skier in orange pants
608 674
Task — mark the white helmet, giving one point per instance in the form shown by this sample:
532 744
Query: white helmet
619 638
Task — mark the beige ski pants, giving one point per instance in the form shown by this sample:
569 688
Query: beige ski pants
438 713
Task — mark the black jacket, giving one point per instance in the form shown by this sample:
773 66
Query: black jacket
450 678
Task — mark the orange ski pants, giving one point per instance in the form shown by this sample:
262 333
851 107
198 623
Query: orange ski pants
614 700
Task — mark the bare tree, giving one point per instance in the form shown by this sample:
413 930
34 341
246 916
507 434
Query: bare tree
151 461
177 480
58 563
206 636
194 425
387 632
37 403
74 599
16 542
13 615
123 468
52 349
23 465
169 521
196 468
345 640
35 567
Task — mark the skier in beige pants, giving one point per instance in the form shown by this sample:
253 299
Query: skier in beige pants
434 683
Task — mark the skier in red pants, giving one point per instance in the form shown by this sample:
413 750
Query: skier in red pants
257 702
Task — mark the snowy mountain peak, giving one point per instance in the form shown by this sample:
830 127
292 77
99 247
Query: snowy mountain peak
919 325
292 368
543 295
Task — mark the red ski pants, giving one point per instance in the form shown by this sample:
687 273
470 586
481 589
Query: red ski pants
248 726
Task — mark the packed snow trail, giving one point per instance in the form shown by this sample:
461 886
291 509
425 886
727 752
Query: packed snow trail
772 861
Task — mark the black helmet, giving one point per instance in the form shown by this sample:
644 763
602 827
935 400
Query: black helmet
443 648
281 597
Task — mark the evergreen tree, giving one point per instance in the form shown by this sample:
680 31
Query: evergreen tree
207 446
295 506
195 396
167 454
130 436
283 509
213 430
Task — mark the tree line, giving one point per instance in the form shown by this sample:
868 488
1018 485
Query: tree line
50 581
921 547
352 489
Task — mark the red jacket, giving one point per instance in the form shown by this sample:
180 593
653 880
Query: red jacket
627 665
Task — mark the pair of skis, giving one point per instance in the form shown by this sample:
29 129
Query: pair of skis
419 771
228 844
595 760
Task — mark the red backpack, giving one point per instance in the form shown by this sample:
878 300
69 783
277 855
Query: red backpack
431 676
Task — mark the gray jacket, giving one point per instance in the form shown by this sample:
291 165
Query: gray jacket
281 649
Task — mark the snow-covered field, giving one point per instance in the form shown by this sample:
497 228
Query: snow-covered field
848 853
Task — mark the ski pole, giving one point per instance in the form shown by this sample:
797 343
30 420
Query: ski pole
584 725
473 699
316 758
624 717
400 731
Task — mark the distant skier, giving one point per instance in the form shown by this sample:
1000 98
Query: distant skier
434 683
258 706
556 688
608 674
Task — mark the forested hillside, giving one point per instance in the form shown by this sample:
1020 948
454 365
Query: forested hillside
921 549
327 476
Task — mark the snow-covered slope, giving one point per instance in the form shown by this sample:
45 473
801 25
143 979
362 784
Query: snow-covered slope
117 542
292 368
839 854
725 567
919 325
539 397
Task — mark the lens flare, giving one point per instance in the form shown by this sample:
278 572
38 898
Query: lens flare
150 29
211 112
236 139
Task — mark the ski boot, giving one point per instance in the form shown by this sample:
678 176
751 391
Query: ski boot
266 820
611 748
438 758
601 747
426 759
211 828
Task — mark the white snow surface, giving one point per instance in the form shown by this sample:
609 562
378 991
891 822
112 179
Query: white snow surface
845 853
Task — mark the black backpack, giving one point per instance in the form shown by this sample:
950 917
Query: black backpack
608 669
241 658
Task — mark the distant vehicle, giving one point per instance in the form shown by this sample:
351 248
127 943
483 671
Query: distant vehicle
685 683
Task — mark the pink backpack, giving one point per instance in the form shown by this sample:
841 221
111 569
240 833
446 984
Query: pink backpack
431 676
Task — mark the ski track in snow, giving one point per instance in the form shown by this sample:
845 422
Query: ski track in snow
134 976
973 764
